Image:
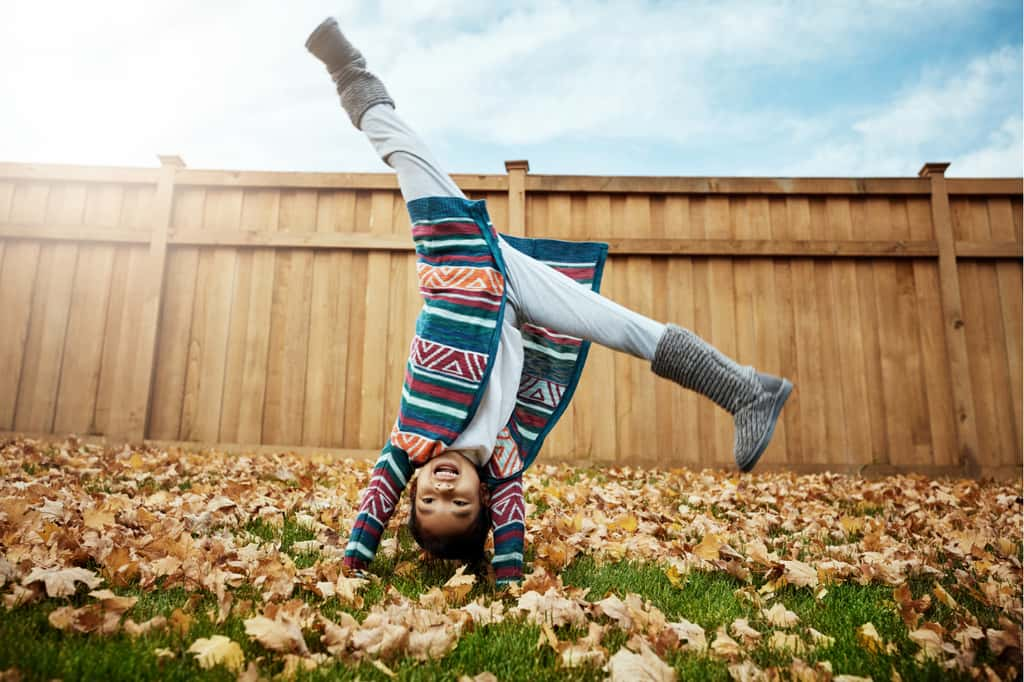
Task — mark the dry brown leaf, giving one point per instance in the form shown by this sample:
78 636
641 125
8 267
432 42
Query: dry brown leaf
294 664
741 628
281 634
725 646
910 608
747 671
691 636
779 616
550 607
929 640
869 638
479 677
97 518
626 666
820 639
458 586
180 621
800 574
382 640
384 669
493 612
134 629
433 642
60 582
1001 640
709 546
781 641
218 650
945 597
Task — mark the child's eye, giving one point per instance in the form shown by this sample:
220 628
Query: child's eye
428 500
461 503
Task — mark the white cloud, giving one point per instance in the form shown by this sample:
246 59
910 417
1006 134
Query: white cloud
932 120
1003 156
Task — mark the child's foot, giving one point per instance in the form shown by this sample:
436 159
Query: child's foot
328 45
755 400
755 423
358 88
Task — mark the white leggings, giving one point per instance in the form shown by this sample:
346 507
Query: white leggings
538 294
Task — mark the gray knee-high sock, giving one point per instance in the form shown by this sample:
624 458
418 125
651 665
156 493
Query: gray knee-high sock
358 88
691 362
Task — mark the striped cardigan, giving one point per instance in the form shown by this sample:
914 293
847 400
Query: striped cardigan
462 280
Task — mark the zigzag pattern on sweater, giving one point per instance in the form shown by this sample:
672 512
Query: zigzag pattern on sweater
456 277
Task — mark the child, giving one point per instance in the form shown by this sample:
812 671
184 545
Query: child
499 346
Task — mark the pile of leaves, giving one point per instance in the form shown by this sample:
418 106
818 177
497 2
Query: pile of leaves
88 529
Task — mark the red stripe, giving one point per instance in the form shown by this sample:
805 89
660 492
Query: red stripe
444 258
541 331
445 229
481 305
507 535
365 527
577 273
528 419
451 394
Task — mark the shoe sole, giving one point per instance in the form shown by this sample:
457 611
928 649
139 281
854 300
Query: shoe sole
762 445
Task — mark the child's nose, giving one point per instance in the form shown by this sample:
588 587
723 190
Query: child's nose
443 486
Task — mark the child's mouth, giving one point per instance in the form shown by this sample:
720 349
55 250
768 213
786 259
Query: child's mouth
446 472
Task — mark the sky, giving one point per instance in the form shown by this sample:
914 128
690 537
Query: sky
834 88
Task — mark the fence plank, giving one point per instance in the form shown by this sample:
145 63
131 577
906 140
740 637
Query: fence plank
44 355
17 287
956 343
375 338
290 322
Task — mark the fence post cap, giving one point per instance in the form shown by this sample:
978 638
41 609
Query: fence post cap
521 164
930 169
171 160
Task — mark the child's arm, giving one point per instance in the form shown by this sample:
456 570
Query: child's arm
508 512
390 476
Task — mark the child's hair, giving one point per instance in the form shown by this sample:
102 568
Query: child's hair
467 547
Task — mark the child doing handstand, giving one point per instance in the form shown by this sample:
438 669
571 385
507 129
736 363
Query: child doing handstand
499 347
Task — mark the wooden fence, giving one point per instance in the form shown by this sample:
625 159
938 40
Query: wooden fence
252 308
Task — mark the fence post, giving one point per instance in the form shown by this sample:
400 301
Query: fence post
953 322
145 359
517 171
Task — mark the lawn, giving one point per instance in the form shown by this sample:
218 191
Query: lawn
138 563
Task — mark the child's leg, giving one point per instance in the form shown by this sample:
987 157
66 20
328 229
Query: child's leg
371 109
550 299
419 174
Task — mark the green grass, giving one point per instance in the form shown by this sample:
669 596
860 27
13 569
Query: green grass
509 650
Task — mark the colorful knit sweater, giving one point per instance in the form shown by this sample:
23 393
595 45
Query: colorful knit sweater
462 280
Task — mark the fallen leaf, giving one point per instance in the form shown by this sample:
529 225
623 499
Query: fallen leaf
458 586
741 628
929 641
60 582
869 638
725 646
708 547
218 650
779 616
281 635
781 641
821 640
626 666
800 574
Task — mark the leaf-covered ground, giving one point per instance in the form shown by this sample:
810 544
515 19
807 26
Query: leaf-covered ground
139 563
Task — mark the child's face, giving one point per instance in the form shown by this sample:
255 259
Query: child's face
447 495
